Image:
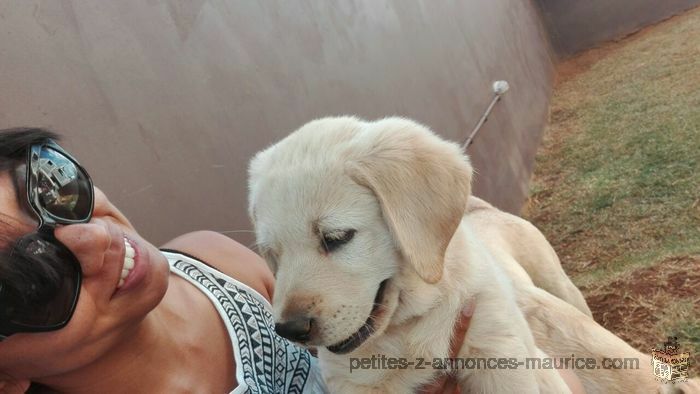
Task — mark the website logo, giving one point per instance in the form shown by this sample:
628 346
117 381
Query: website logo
669 363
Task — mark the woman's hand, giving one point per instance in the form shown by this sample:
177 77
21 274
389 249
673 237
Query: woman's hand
448 383
10 385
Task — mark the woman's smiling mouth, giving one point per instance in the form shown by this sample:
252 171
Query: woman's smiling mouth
129 254
134 267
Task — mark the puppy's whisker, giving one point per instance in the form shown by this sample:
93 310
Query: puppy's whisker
235 231
372 319
379 304
255 247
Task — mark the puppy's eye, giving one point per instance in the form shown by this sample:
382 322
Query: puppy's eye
333 240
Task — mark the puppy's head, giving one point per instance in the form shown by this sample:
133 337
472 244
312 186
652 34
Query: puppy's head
341 208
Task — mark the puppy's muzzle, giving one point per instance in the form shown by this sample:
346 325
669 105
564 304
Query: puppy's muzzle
297 328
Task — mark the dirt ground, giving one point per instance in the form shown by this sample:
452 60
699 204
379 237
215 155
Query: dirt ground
635 305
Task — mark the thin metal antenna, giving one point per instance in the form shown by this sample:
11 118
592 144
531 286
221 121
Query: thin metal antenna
499 89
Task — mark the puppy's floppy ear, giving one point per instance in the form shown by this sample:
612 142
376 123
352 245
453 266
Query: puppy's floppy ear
422 183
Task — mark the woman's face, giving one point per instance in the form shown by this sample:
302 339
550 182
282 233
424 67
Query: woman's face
106 316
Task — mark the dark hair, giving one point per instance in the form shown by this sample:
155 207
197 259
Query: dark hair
14 143
17 270
13 269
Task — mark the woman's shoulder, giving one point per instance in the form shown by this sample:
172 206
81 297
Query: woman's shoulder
228 256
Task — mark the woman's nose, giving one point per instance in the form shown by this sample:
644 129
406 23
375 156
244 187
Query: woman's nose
89 242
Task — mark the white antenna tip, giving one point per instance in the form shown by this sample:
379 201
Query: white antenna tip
500 87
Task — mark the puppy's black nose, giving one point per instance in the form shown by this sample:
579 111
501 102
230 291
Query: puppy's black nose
295 329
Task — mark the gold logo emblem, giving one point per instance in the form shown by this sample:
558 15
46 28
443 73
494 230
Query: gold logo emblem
669 364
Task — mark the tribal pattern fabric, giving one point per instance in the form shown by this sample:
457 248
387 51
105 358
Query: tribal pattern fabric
265 362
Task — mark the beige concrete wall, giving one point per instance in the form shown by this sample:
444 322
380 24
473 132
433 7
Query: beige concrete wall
166 101
576 25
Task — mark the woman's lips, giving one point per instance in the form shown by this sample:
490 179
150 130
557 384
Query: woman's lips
133 268
128 265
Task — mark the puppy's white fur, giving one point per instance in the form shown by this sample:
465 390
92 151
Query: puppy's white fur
404 190
524 252
561 329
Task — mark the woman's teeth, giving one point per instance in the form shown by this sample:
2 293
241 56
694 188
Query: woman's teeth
128 262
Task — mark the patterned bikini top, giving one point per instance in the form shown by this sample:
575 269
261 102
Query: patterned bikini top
265 362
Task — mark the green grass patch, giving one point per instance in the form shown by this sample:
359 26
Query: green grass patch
688 332
617 181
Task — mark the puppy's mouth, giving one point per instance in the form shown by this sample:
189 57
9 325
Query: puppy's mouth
367 329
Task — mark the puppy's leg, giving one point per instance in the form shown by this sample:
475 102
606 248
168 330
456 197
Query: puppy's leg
692 386
489 378
561 329
549 380
497 342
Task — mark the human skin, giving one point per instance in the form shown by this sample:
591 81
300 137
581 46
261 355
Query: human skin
156 333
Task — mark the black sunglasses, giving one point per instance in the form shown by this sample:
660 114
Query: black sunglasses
59 191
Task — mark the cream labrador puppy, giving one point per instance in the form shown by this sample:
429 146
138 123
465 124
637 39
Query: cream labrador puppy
559 329
563 329
362 223
513 239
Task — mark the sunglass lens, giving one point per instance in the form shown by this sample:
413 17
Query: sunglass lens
44 286
64 189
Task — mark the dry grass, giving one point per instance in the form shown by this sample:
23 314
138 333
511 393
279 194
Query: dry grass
617 182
